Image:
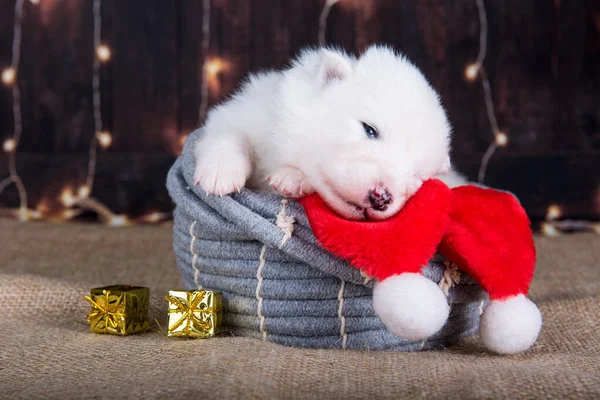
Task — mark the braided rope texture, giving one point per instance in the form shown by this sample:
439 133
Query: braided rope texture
278 284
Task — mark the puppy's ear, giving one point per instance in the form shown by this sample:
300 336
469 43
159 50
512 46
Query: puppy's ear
333 66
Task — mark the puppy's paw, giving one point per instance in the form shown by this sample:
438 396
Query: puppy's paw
222 176
290 182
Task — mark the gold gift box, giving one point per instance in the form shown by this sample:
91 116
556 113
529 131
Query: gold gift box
194 313
119 309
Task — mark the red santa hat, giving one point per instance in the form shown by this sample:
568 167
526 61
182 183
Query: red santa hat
485 232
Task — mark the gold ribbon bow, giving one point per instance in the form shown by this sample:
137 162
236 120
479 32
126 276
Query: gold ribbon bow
189 308
108 308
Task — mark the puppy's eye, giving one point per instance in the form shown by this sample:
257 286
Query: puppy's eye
370 131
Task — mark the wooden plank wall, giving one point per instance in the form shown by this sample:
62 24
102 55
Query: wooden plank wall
543 63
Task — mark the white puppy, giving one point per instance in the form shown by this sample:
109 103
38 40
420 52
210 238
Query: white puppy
364 133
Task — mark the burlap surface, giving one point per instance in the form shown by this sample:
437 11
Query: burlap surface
46 350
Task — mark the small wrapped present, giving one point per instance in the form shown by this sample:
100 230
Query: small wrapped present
119 309
194 313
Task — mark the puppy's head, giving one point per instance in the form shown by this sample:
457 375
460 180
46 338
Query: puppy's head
366 132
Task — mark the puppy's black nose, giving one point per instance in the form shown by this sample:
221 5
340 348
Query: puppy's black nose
380 198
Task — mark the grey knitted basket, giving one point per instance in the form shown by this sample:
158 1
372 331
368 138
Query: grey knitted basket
278 284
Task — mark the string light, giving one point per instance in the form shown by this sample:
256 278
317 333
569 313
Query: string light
9 145
103 53
555 228
70 213
323 19
474 70
549 230
84 191
23 214
96 98
8 76
82 199
67 198
34 214
104 139
205 47
214 66
501 139
553 212
211 69
119 220
182 140
155 217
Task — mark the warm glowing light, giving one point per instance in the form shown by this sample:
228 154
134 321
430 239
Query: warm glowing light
9 145
35 214
472 71
23 214
67 198
83 192
8 76
105 139
42 207
103 53
153 217
501 139
549 230
554 212
214 66
118 220
34 2
68 214
182 140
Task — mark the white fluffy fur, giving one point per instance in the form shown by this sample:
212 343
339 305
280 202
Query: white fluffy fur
299 131
510 326
410 306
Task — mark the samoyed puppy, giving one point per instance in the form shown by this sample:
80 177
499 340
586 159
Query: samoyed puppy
362 132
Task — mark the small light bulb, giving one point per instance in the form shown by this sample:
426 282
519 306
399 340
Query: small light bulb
153 217
501 139
214 66
182 140
103 53
8 76
105 139
43 207
35 214
68 214
549 230
36 2
83 192
471 71
67 198
554 212
9 145
118 220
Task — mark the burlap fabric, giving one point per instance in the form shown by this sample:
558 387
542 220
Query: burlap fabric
46 350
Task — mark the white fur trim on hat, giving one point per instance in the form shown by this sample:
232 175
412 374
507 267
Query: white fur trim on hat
510 326
410 306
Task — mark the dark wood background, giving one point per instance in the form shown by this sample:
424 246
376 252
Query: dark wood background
543 62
